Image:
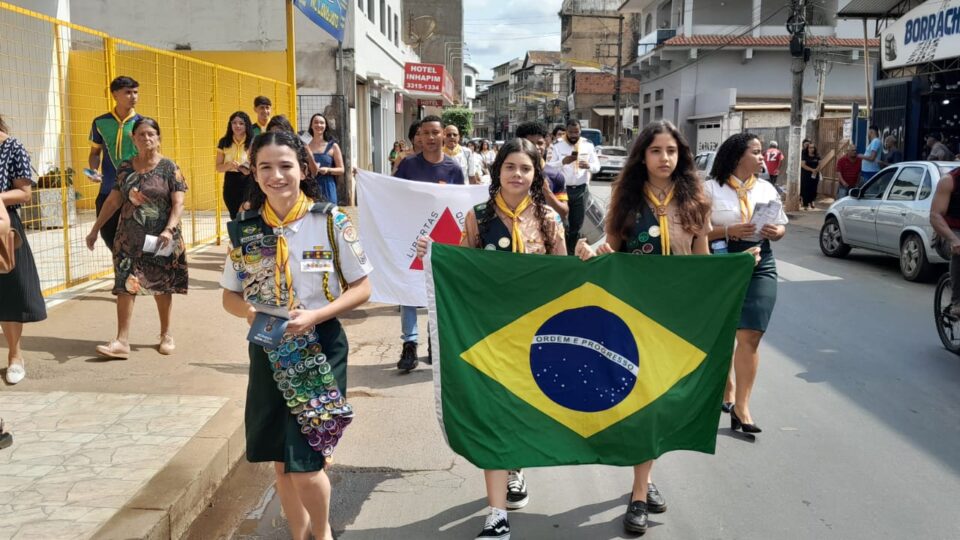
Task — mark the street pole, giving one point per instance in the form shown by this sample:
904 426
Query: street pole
796 27
616 87
291 64
866 69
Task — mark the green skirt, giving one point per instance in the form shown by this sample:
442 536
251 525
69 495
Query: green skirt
762 292
273 434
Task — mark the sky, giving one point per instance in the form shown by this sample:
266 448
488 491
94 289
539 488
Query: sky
496 31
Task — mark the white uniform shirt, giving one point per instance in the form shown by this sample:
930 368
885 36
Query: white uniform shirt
310 235
726 204
467 163
573 175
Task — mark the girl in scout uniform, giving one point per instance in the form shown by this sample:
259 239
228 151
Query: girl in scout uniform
303 258
516 218
657 207
735 193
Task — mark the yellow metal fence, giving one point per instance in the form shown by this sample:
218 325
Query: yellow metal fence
54 80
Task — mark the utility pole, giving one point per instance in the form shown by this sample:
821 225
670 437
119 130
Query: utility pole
796 25
617 83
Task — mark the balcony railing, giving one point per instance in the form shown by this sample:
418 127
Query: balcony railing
650 41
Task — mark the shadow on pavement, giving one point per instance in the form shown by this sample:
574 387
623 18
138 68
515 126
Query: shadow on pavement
64 350
460 522
384 376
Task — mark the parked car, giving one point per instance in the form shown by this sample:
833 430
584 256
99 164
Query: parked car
612 159
889 214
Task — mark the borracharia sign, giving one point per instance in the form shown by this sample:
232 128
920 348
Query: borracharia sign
929 32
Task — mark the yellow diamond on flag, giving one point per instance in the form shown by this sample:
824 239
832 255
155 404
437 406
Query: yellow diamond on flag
585 359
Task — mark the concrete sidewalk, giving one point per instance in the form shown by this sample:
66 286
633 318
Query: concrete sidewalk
135 448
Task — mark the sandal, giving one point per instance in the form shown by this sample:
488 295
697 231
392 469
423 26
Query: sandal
114 349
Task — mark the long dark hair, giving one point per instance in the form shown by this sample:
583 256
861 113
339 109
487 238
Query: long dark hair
327 135
816 152
290 140
3 126
628 195
227 140
729 154
522 146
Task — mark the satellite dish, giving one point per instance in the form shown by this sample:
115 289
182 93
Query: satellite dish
420 30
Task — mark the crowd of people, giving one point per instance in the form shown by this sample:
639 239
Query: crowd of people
292 248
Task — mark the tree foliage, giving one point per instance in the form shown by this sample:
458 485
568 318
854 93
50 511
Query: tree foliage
460 117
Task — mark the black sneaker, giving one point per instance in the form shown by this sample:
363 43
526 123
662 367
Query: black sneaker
635 520
517 496
495 528
6 439
655 502
408 358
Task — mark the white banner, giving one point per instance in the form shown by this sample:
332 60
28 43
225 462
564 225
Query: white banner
393 214
929 32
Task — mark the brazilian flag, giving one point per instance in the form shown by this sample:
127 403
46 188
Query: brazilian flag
547 360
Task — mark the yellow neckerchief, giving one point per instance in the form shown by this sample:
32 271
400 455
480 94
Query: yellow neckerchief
660 206
263 127
300 209
120 124
241 153
452 153
514 215
742 189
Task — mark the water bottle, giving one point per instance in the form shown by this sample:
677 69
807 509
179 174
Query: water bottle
718 246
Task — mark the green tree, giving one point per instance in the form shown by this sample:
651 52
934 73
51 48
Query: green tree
460 117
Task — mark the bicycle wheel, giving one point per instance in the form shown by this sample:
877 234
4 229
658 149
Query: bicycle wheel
948 326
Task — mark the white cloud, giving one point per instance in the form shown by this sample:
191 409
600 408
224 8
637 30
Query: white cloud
496 31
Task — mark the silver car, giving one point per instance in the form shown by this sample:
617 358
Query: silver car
891 214
612 159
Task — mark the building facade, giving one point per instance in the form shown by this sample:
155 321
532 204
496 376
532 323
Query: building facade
715 72
589 34
538 89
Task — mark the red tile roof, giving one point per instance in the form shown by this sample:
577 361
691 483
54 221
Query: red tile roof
716 40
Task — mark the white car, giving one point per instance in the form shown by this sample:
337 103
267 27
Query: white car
612 159
704 164
890 214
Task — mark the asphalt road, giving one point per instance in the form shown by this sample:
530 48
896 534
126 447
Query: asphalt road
859 403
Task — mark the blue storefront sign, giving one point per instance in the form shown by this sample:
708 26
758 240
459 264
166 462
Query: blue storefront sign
331 15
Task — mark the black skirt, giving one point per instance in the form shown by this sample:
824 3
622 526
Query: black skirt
762 293
20 297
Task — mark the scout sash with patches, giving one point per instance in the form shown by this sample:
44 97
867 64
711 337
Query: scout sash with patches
300 368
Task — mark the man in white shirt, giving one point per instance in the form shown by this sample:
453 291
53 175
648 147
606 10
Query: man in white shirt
577 159
463 156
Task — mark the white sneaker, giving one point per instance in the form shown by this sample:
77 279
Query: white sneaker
15 373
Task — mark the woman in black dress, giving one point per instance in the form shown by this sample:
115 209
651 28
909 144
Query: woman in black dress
809 176
20 298
233 162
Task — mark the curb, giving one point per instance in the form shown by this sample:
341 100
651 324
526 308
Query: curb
168 504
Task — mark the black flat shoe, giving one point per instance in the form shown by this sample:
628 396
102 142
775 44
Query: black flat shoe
736 423
727 407
635 520
656 504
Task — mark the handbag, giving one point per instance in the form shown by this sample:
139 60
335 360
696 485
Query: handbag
9 244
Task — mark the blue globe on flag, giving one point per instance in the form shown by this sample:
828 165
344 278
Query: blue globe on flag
585 359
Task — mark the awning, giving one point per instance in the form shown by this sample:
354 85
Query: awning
604 111
875 9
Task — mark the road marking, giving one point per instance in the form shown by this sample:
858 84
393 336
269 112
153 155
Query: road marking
793 273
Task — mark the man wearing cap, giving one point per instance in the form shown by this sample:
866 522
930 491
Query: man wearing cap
772 158
938 150
870 164
113 132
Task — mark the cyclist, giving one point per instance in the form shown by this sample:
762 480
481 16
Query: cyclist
945 219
